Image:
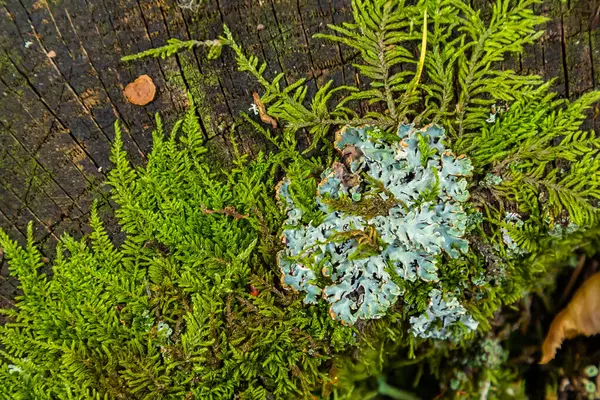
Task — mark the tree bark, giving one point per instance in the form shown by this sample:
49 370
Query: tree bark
62 81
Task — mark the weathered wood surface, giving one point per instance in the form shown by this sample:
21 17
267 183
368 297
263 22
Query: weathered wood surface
61 83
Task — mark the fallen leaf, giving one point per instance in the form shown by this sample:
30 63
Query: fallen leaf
141 91
580 317
262 111
51 54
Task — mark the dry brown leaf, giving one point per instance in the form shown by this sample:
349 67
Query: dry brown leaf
580 317
262 111
141 91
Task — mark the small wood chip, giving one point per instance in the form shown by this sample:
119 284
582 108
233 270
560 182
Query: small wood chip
141 91
262 111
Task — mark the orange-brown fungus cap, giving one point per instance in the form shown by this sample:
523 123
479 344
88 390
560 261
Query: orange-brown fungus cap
141 91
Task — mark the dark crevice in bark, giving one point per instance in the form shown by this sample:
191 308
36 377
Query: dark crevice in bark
563 47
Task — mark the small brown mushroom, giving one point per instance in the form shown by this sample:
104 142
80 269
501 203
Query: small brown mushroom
141 91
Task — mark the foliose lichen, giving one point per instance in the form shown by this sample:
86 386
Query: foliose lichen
490 354
390 210
560 227
491 180
164 330
512 221
442 313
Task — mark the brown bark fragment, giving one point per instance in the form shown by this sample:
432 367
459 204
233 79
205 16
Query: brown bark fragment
262 111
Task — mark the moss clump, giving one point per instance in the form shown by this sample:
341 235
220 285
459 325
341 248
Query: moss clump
384 221
186 307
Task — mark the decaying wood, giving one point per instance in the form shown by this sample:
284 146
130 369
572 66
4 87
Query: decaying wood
62 82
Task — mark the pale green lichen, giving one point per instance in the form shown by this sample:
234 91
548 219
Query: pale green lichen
512 221
443 312
560 227
491 180
392 208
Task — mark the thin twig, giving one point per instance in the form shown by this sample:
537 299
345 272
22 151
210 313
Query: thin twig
228 211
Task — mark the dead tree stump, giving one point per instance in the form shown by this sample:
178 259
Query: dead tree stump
62 81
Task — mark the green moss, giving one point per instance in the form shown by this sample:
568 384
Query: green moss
192 304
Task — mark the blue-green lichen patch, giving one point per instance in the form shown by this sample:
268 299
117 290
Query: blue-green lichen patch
512 221
391 209
442 313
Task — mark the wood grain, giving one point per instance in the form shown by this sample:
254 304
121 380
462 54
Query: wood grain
61 86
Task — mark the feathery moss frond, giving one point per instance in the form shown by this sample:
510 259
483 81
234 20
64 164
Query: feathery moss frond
193 305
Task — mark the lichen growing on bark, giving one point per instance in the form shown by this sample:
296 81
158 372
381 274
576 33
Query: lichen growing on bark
390 210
